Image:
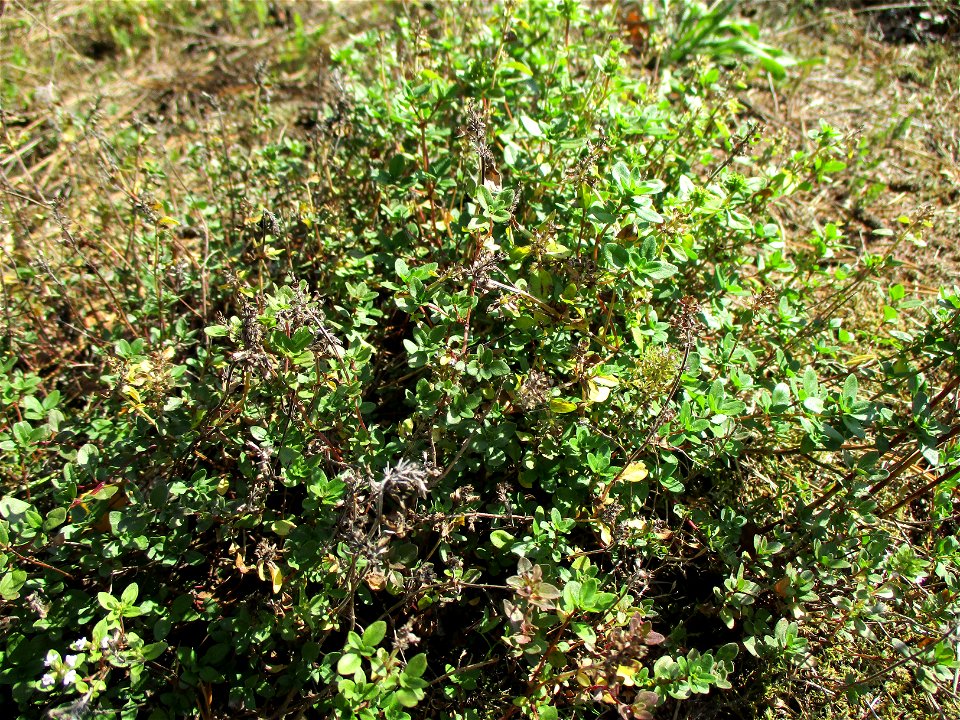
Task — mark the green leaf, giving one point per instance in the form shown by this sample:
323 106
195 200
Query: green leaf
850 387
605 601
349 664
55 518
666 668
282 527
780 397
617 257
727 653
671 484
14 509
622 177
108 601
375 633
129 596
32 405
416 666
649 187
647 213
498 367
23 433
301 340
814 405
87 454
531 126
500 539
408 698
588 594
101 630
519 67
153 650
658 269
106 492
484 197
571 595
11 583
833 166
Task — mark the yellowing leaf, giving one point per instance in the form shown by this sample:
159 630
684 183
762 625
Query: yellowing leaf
634 472
145 26
559 405
168 221
282 527
596 393
606 537
276 577
627 672
598 388
606 381
132 393
860 359
641 526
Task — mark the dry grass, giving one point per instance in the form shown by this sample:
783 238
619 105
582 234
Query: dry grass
162 65
898 103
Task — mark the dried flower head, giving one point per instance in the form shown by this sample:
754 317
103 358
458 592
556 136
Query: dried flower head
764 299
403 482
686 322
582 170
304 311
260 486
535 390
476 133
405 638
484 265
270 224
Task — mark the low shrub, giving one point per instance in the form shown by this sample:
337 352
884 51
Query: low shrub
490 384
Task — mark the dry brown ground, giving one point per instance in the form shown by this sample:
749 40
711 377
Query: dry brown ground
898 103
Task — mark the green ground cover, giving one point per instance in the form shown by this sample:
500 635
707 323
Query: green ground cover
541 359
